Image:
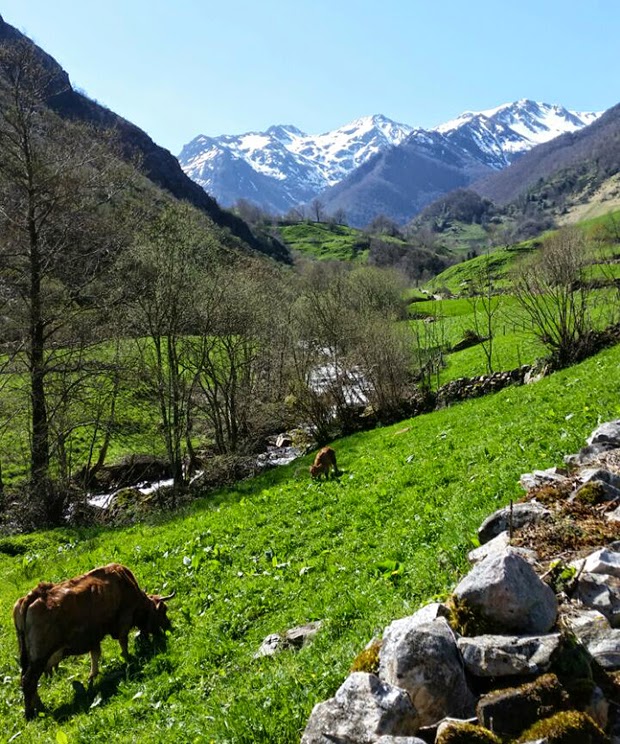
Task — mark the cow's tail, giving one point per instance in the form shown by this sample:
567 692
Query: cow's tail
20 610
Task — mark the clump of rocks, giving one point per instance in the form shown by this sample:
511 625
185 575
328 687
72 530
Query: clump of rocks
475 387
527 648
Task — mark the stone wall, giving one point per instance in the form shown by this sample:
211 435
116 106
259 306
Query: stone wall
527 648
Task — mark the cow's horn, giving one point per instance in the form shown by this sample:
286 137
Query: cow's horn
167 597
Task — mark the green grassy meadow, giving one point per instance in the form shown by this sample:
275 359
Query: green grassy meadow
280 550
323 241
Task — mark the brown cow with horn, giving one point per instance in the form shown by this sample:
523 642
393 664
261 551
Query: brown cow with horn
70 618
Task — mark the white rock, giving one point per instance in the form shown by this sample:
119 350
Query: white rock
603 561
539 478
600 592
607 432
363 709
504 656
497 545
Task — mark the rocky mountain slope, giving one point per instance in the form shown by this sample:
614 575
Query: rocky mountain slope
372 165
572 163
283 167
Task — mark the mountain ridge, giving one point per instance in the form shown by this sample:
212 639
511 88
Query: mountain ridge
283 167
301 165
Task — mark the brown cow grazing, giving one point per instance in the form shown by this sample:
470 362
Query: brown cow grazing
57 620
324 460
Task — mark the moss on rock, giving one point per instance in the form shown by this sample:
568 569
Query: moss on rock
368 659
566 727
465 619
511 710
573 666
466 733
590 493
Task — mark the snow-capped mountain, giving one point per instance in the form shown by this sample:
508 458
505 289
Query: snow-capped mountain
499 135
284 167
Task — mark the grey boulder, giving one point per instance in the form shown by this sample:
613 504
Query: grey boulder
423 659
529 512
362 711
505 591
506 656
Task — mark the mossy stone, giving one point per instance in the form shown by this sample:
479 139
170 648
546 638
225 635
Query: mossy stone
466 733
368 659
566 727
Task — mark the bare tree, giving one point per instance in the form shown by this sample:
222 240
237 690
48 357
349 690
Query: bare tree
296 214
236 358
348 348
317 209
551 291
55 179
485 304
164 270
250 212
339 217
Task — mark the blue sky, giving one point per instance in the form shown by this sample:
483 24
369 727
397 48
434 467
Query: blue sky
229 66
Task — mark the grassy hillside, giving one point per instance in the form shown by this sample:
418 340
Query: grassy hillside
460 277
602 228
281 550
320 240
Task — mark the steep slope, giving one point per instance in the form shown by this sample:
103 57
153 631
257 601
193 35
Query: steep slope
574 162
157 163
403 180
284 167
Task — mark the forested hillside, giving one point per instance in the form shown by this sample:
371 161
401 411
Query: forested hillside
134 145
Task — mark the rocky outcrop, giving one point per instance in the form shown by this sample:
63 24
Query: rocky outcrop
474 387
521 613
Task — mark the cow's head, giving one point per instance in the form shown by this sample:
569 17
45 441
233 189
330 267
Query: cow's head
157 620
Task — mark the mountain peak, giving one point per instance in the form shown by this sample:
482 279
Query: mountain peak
284 167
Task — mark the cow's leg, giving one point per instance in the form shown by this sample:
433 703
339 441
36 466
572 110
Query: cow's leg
30 682
123 639
95 655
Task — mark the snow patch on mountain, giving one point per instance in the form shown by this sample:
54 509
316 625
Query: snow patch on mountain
284 167
288 155
511 129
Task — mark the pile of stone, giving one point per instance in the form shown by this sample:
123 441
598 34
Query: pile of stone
475 387
513 655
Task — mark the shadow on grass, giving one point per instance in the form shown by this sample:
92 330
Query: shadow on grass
99 692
